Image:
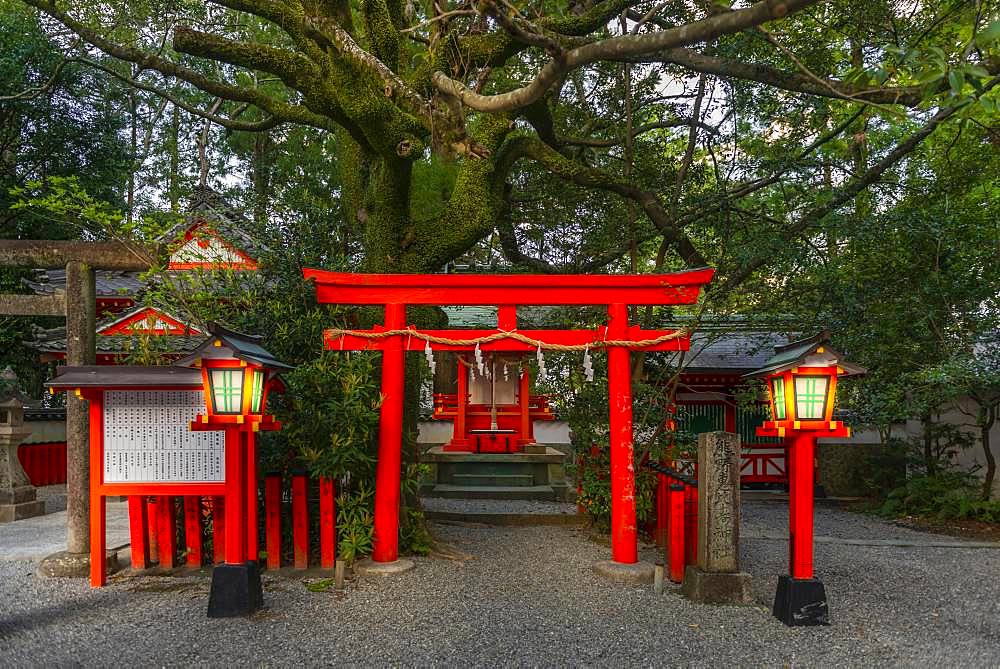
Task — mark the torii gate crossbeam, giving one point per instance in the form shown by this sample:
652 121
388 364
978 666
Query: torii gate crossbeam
617 292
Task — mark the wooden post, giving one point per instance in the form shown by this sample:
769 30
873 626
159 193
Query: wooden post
675 527
96 505
250 457
624 546
218 530
524 403
327 523
192 530
138 529
236 544
272 520
462 395
800 500
385 542
300 520
166 531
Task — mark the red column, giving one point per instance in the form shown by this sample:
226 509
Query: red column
524 401
800 500
138 530
623 531
462 395
166 530
236 544
385 542
218 530
327 524
250 439
300 520
98 510
192 530
272 520
675 529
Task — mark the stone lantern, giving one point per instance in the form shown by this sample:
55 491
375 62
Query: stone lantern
17 495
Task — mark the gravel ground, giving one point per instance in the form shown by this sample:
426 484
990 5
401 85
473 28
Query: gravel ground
527 596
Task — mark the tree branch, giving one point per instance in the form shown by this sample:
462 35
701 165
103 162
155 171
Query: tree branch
617 48
640 130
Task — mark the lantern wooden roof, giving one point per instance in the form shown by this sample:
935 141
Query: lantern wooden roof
813 351
232 344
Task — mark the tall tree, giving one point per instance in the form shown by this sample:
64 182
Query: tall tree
444 113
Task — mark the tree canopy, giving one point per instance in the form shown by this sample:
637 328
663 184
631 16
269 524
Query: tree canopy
571 136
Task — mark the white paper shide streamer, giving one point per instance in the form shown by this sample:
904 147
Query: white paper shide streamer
430 356
588 365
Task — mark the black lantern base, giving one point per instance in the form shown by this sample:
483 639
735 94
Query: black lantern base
236 590
801 602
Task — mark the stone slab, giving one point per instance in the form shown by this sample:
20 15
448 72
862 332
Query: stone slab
11 512
508 519
621 572
371 568
35 538
716 588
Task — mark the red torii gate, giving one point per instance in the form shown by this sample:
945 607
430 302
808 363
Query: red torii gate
394 338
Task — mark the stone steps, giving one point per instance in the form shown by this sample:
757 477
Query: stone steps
490 479
451 491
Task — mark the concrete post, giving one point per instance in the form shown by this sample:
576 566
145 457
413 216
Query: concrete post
717 578
81 307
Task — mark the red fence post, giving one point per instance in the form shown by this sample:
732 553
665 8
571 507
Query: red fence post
138 530
327 523
192 530
218 530
675 528
300 521
385 540
624 542
165 531
690 524
272 520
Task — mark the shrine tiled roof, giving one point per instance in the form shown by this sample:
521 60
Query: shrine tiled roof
54 341
108 283
731 351
210 206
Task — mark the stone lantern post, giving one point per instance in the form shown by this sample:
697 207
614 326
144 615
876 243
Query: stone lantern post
17 495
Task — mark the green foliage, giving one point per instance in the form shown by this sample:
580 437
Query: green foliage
945 496
354 522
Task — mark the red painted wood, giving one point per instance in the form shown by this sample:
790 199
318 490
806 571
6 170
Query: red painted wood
300 521
521 289
218 530
347 342
524 404
250 458
166 529
272 520
675 530
192 531
45 464
459 435
327 523
98 512
690 525
624 546
236 543
161 489
152 520
801 499
138 528
139 323
385 540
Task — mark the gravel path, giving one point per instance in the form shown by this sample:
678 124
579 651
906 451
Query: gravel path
527 596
